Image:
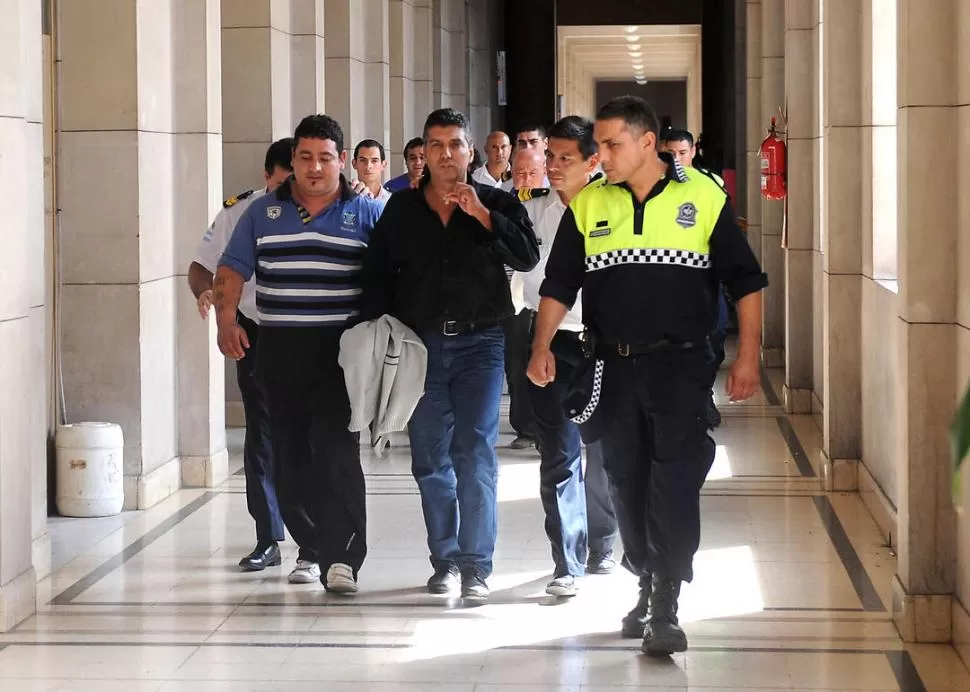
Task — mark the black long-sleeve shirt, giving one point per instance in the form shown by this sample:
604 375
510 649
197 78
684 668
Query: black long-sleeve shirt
425 274
647 303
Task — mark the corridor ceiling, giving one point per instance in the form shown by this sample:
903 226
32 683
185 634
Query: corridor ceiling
607 52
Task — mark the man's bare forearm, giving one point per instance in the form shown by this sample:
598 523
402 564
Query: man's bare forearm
749 326
551 314
226 292
200 279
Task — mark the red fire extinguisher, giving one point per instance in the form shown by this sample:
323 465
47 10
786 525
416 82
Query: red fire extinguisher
773 162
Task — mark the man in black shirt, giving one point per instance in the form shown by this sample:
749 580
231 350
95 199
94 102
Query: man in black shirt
436 261
649 282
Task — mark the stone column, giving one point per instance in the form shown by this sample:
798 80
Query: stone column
197 184
409 37
22 312
117 197
358 69
772 212
450 55
755 130
800 89
307 58
929 88
257 86
818 214
479 31
842 244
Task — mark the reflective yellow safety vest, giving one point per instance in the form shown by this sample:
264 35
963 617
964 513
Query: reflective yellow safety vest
675 230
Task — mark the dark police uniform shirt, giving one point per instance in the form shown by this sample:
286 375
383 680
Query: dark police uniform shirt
308 269
647 289
426 274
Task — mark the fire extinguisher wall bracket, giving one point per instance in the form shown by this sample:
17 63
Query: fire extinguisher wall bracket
773 165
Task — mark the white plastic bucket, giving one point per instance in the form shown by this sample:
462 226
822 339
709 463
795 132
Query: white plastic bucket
90 469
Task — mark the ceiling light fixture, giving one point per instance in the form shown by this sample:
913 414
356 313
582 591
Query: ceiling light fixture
632 39
641 82
632 29
635 54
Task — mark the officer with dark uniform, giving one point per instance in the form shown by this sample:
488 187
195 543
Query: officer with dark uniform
648 246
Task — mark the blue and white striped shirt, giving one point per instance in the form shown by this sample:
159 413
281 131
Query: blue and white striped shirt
308 270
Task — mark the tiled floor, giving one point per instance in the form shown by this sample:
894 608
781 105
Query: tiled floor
791 593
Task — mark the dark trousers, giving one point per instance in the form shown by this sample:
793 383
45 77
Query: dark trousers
517 341
321 482
453 433
577 506
257 449
719 334
657 454
600 515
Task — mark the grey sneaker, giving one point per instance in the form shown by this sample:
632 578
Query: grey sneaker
305 572
340 579
562 586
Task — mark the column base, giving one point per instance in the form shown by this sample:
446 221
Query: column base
18 600
818 409
235 415
141 492
961 631
773 357
40 550
205 472
839 475
879 506
922 618
797 401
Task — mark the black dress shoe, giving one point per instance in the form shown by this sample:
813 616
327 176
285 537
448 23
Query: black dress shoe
262 557
635 621
444 580
663 636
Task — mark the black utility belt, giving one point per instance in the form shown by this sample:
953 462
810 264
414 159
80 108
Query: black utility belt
459 327
632 350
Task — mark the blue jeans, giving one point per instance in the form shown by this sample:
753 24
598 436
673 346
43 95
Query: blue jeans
453 433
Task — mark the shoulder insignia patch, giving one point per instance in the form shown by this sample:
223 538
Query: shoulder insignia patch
235 199
526 193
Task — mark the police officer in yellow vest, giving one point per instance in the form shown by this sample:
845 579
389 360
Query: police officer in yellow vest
648 246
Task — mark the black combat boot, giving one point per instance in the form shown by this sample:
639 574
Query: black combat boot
663 636
635 621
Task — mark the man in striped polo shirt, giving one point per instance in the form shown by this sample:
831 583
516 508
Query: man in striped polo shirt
305 244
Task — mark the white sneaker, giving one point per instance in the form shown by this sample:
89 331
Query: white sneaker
305 572
340 579
564 586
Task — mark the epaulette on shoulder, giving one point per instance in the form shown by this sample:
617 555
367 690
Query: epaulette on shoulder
527 193
235 199
713 176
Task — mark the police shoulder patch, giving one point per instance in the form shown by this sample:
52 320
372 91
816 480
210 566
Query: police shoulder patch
527 193
236 198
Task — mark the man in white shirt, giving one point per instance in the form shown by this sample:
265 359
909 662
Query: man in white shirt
580 521
496 170
370 163
258 462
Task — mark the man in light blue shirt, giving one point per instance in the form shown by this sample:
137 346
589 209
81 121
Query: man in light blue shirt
305 243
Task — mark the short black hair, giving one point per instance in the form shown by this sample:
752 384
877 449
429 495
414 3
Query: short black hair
679 136
447 117
633 111
320 127
577 129
367 144
279 155
412 143
529 126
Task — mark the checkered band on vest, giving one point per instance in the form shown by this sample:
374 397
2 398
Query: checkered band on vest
683 258
594 397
